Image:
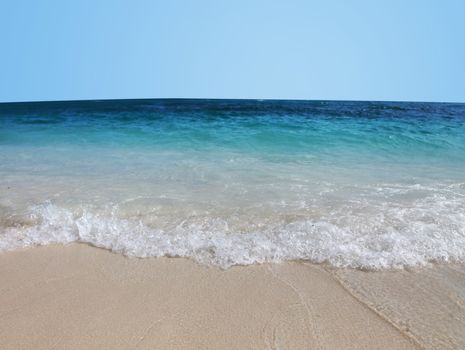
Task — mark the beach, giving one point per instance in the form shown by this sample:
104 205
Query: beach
77 296
232 224
232 175
82 297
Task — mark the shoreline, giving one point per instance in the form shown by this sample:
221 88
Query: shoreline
78 296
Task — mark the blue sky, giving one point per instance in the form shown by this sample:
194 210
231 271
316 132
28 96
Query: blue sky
352 50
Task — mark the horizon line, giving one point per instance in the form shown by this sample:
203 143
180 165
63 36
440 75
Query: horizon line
222 99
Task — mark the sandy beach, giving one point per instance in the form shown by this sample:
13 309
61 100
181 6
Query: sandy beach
81 297
265 225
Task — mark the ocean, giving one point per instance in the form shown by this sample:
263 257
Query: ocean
368 185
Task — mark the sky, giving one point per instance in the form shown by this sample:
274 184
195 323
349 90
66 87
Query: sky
410 50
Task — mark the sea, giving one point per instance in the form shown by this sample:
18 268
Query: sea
364 185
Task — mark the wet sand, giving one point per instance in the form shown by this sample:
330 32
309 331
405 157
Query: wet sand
427 304
80 297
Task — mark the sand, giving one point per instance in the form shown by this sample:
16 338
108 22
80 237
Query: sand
427 304
81 297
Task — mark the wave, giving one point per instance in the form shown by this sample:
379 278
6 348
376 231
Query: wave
388 236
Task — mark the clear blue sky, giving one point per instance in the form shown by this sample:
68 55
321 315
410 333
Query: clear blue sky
353 50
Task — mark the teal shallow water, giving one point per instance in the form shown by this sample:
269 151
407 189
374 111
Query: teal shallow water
360 184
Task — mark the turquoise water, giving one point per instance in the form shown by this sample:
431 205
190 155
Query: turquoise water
360 184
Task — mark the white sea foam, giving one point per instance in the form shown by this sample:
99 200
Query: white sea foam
375 236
